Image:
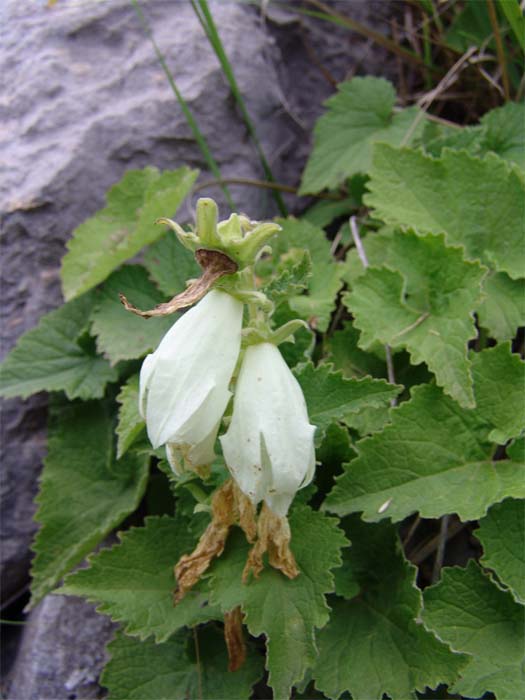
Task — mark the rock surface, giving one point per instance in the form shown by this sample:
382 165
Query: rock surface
23 446
86 100
62 652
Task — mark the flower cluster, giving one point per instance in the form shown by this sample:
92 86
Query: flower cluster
187 383
184 392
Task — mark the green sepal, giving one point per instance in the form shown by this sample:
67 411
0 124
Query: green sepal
284 334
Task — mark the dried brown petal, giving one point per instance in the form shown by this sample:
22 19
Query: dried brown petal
233 634
190 567
273 537
247 514
214 264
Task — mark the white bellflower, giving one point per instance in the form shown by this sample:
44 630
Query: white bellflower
269 447
184 383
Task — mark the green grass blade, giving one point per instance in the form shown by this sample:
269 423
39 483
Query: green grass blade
197 133
205 17
514 15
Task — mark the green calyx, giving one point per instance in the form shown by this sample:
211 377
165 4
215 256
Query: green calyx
242 241
253 335
237 237
260 310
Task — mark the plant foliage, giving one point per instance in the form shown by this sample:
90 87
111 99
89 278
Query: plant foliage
413 374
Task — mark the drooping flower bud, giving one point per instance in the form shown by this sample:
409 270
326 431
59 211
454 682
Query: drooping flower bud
184 383
269 446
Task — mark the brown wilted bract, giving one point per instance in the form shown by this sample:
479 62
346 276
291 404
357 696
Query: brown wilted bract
214 264
271 533
247 514
190 567
234 638
273 536
229 506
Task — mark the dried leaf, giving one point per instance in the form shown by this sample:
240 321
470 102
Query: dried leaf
273 537
247 514
190 567
214 264
234 637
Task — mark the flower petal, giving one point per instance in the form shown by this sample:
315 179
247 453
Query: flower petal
187 389
269 444
182 456
146 372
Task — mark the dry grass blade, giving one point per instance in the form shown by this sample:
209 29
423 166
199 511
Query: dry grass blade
429 97
499 49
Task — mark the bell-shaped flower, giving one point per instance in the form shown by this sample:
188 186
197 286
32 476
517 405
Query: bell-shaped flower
269 446
184 383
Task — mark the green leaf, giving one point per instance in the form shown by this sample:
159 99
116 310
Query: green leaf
347 584
514 15
369 420
359 115
332 397
130 424
477 203
290 277
285 611
436 138
374 643
122 335
335 449
117 232
170 265
516 450
325 211
381 248
470 27
133 581
346 581
175 670
344 352
502 535
499 377
84 494
433 458
500 132
57 355
317 305
422 300
468 611
504 133
503 309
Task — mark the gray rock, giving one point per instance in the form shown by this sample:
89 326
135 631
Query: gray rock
62 652
88 100
23 446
